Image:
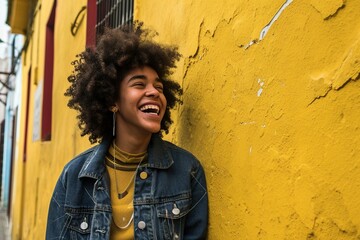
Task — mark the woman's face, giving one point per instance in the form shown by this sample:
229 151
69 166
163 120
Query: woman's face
141 102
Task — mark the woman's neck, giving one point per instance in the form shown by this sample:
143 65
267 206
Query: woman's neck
132 144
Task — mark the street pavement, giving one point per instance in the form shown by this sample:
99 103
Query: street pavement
4 225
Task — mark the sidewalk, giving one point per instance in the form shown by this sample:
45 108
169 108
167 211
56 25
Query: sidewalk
4 226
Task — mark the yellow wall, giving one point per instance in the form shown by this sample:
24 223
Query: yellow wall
35 180
275 123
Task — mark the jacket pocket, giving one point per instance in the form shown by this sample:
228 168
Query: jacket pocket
172 215
80 226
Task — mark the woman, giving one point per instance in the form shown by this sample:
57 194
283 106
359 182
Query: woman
133 185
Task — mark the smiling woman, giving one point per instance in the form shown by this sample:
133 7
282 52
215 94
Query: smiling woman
133 185
95 82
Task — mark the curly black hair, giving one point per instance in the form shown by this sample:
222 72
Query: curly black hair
98 71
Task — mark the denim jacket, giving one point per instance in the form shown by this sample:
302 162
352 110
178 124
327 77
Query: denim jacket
170 203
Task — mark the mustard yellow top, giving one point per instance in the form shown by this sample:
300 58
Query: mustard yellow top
122 167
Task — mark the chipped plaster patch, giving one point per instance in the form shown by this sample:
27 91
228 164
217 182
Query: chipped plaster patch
332 212
346 71
250 43
265 30
261 83
318 87
327 8
349 67
276 16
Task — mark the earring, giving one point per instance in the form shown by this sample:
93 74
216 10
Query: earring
114 109
114 122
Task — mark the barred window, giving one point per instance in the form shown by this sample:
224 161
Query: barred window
113 14
108 13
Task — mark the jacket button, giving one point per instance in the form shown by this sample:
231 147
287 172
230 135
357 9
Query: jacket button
176 211
84 225
143 175
141 225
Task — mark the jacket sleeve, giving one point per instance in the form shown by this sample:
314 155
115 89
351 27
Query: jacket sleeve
57 218
197 220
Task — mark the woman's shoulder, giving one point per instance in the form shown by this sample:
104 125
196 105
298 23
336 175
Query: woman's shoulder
175 148
180 154
81 157
75 167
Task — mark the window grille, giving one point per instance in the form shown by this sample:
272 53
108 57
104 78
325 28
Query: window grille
113 14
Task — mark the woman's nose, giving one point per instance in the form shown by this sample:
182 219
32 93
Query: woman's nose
151 91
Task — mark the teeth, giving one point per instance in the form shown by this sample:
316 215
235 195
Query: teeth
152 107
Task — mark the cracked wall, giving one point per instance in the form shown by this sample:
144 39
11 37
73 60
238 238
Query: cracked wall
274 118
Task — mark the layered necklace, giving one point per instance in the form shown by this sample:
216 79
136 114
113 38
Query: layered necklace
123 164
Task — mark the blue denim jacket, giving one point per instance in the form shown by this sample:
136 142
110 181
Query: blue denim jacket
171 203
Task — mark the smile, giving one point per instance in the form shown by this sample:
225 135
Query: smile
150 109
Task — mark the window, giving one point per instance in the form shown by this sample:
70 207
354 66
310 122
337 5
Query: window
108 13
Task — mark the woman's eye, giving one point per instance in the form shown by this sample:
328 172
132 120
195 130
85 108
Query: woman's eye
138 84
160 88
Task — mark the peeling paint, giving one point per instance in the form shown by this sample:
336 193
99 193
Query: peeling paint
265 30
250 43
302 135
276 16
327 88
277 120
261 83
349 67
328 8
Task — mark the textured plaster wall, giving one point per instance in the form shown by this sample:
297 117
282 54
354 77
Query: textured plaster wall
34 180
271 108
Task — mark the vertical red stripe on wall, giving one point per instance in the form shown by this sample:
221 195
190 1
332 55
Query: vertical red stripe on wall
91 23
48 78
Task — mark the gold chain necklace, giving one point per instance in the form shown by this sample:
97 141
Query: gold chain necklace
123 194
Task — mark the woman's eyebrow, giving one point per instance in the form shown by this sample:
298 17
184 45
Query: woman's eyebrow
140 76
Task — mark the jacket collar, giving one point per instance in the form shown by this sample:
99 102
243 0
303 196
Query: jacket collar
94 166
159 157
